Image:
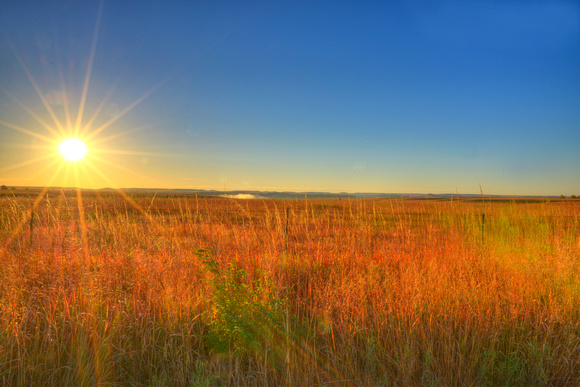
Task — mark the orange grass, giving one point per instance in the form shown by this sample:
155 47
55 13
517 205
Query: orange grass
368 292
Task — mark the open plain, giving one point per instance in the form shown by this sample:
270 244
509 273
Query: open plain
106 289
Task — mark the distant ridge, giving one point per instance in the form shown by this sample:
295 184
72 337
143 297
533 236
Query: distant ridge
254 194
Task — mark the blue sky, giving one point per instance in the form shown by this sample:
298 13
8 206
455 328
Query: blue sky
371 96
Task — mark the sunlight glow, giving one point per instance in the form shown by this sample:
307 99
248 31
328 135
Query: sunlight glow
73 149
73 139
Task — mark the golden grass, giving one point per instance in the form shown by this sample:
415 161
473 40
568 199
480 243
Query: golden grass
359 292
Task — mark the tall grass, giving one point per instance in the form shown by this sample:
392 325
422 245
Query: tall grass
213 291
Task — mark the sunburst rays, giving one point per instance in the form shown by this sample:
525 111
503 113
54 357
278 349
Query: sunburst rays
89 71
71 123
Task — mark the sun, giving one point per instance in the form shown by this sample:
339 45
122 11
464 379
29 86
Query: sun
73 149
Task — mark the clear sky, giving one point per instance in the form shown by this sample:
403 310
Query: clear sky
354 96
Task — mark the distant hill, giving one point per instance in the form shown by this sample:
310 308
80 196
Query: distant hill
253 194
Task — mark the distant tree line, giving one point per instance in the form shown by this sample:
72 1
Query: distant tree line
571 197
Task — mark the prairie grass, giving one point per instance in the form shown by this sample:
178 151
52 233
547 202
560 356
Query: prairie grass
185 290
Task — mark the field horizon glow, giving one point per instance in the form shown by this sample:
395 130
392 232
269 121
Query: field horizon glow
189 290
340 202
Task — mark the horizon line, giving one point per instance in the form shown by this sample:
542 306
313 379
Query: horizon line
274 191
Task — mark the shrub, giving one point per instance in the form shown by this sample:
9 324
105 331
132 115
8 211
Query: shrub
245 318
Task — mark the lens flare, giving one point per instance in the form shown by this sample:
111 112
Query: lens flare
73 149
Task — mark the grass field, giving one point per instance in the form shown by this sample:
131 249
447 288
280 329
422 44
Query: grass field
154 291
